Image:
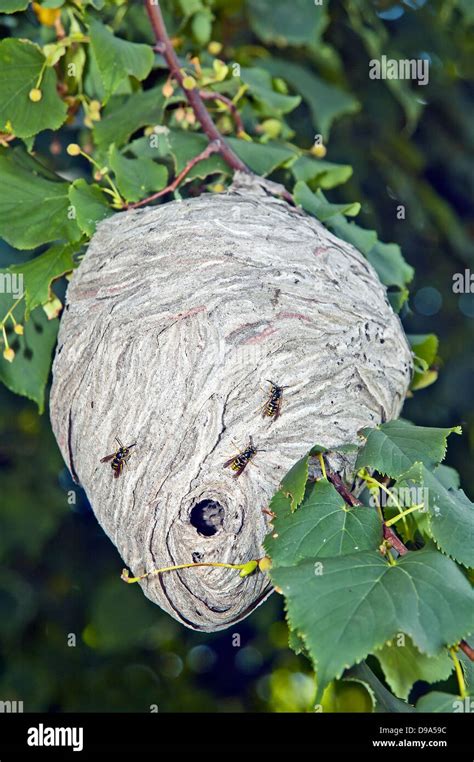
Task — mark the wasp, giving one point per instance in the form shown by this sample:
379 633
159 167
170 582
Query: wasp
238 462
272 407
118 458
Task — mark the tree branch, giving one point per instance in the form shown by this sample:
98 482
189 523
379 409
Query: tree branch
339 485
394 540
165 48
213 147
467 649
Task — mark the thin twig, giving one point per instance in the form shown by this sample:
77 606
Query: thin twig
213 147
394 540
339 485
165 48
208 95
466 648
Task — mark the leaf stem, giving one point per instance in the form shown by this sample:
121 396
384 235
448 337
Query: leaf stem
323 465
114 190
14 306
126 578
403 514
466 648
208 95
459 672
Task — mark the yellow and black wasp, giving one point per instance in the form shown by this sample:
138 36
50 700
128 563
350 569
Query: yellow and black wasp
238 462
272 407
118 458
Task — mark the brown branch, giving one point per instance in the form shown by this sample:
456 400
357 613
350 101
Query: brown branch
165 48
207 95
339 485
388 533
467 649
394 540
213 147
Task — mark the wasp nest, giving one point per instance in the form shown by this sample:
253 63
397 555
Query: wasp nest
175 319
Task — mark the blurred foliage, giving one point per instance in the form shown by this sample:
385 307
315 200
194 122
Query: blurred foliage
304 72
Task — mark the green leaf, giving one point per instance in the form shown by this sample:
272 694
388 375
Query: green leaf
393 447
39 273
117 58
348 695
388 261
294 482
397 299
425 348
35 209
448 476
21 63
262 159
89 204
450 513
325 174
436 701
316 204
272 22
124 115
260 83
326 102
296 642
322 526
11 6
136 178
360 601
385 701
28 374
363 240
404 664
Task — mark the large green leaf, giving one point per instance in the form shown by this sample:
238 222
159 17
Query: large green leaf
89 205
259 82
28 373
273 21
316 204
117 58
136 178
125 115
393 447
404 664
360 601
326 102
40 272
21 63
322 526
33 209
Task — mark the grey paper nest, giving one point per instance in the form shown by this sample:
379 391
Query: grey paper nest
175 318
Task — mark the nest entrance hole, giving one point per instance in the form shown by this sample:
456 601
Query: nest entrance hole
207 517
